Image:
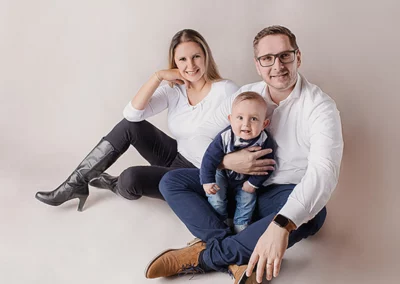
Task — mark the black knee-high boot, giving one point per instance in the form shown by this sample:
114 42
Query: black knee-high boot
76 186
105 181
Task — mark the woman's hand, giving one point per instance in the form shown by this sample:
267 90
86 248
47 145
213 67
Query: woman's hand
173 76
142 97
246 161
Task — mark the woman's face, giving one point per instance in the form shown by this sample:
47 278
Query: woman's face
190 60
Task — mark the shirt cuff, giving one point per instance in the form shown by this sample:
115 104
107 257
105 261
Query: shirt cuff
295 211
252 185
206 180
133 114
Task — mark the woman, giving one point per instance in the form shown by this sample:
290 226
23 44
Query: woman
194 91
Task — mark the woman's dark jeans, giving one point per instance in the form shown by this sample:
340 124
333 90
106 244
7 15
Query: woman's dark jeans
156 147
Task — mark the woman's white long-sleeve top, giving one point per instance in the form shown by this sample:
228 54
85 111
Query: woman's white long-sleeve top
183 118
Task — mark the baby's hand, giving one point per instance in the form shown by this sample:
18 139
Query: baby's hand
211 188
248 188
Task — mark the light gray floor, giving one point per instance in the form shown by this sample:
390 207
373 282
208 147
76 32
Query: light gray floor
67 69
113 239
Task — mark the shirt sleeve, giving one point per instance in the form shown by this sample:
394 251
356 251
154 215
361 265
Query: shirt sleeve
157 103
212 159
230 88
322 174
258 181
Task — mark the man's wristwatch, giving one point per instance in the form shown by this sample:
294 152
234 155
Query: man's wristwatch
284 222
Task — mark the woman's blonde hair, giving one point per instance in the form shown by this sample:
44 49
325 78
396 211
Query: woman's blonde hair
188 35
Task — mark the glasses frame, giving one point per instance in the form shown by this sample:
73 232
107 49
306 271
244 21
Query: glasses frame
277 56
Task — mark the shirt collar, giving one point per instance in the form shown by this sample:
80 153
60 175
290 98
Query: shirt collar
294 94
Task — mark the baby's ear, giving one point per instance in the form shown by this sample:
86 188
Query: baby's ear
266 122
229 118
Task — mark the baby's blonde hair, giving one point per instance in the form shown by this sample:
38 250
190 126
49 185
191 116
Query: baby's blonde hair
253 96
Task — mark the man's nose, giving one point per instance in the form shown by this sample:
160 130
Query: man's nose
278 65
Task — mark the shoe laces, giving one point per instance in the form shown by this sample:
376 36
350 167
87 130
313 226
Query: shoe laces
191 269
231 274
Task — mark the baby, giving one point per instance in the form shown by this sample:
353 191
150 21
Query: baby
248 122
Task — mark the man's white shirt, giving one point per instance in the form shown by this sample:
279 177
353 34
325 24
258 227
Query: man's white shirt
307 130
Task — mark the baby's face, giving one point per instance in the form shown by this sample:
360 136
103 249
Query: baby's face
248 119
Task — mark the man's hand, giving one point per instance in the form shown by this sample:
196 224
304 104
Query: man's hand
248 188
269 252
246 161
211 188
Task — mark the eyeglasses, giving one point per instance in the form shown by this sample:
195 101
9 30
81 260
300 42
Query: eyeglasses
267 60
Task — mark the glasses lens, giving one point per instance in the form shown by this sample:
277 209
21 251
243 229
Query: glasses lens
286 57
267 60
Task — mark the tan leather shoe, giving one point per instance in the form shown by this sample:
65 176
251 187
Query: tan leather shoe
239 274
176 261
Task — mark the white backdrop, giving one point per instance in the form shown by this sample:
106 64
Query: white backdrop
67 69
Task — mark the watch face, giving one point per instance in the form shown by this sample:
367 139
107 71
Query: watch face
281 220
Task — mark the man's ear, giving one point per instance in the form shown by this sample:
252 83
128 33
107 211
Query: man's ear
298 58
266 123
257 66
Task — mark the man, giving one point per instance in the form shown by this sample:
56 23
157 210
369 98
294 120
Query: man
306 126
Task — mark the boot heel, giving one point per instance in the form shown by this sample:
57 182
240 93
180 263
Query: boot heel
82 201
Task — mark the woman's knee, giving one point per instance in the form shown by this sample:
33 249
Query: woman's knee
123 134
131 127
128 185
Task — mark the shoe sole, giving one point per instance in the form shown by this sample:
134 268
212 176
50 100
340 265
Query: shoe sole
82 200
195 241
248 280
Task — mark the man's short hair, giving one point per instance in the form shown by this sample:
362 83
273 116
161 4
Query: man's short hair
253 96
274 30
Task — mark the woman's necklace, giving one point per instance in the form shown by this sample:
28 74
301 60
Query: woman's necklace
205 82
194 99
